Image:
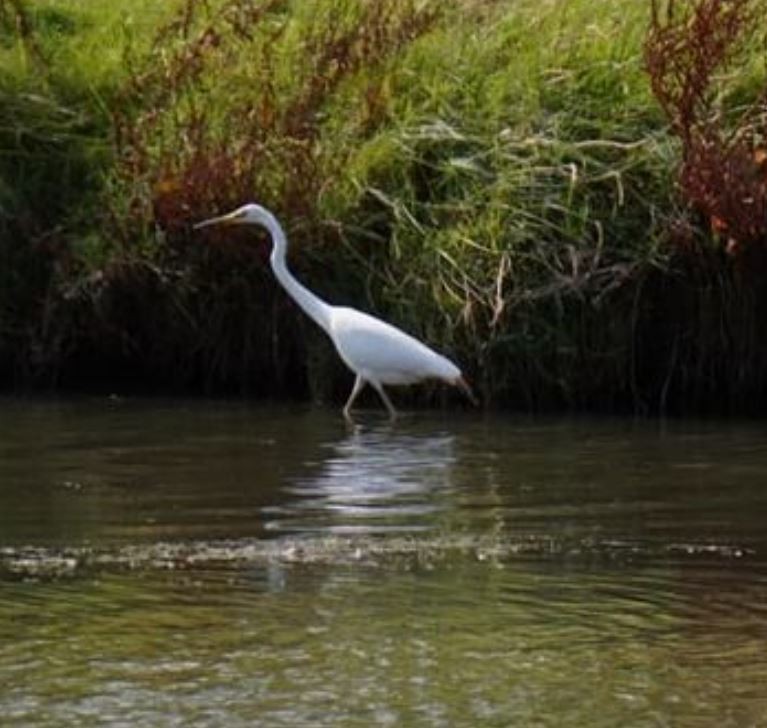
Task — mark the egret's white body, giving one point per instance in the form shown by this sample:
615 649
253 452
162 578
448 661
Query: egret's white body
384 354
378 353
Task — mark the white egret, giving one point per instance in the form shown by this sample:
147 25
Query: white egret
378 353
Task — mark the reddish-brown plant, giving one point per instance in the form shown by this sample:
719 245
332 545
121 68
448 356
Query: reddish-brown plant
179 164
723 172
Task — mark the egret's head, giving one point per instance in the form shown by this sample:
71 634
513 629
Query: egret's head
250 214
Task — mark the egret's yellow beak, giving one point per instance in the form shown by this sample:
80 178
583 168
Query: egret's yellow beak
231 218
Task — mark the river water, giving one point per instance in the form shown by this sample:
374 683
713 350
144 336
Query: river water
170 563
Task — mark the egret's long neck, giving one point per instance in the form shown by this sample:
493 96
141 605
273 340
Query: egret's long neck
314 306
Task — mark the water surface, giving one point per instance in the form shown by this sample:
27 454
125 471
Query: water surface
177 563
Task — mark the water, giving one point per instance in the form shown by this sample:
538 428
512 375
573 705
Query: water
209 564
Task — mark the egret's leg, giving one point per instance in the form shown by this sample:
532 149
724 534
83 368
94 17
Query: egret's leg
359 384
389 406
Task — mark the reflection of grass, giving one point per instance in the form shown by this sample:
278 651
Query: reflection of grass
494 177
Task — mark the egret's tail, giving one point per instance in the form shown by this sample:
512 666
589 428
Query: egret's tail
463 385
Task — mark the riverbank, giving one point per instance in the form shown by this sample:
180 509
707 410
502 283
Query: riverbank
496 178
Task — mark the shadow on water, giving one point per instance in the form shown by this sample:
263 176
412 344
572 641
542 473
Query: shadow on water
218 564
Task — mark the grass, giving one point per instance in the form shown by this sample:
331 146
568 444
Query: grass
493 176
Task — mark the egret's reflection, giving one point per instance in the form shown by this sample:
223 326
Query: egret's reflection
379 479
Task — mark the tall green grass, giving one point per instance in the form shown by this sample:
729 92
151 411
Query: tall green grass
493 176
60 62
526 198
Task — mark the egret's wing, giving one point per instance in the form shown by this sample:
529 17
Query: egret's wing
384 352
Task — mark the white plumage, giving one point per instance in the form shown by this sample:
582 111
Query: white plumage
377 352
382 352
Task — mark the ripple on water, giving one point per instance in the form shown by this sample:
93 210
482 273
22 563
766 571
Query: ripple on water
51 562
238 566
323 631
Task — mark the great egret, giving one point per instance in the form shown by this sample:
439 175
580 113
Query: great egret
377 352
